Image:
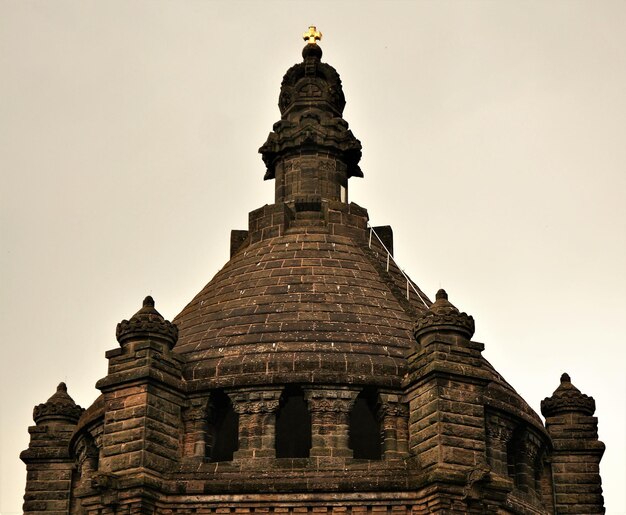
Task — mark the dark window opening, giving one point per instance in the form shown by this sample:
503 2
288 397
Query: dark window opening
365 432
293 425
223 428
514 458
511 459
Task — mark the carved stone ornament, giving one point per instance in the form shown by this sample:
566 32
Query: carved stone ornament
392 409
530 447
443 315
325 73
476 479
567 399
147 323
311 104
58 407
253 407
198 410
330 405
498 428
107 485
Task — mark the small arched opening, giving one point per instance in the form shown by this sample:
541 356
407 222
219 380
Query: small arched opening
223 428
293 425
365 432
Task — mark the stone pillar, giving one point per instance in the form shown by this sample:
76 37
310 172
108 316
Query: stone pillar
393 415
143 397
195 418
257 409
499 433
330 421
49 466
445 386
576 450
527 467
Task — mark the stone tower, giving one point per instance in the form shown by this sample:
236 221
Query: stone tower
310 375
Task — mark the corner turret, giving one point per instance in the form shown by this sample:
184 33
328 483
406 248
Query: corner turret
577 450
48 461
143 388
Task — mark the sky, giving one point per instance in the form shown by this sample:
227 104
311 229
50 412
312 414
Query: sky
493 144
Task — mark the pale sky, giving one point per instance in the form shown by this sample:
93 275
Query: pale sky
493 142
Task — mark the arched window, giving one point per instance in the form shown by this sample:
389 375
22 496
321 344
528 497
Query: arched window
293 425
223 428
365 433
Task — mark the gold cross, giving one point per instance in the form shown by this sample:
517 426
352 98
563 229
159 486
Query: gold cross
312 36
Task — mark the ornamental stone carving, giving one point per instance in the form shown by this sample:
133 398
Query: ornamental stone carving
330 405
58 407
498 429
198 410
253 407
443 315
567 398
392 409
530 447
147 323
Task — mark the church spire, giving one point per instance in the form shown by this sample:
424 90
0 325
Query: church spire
311 152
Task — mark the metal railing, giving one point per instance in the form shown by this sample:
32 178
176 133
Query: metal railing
409 283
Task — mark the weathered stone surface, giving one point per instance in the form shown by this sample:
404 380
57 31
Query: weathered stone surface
310 376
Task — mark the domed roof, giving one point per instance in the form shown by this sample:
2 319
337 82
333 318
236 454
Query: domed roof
298 308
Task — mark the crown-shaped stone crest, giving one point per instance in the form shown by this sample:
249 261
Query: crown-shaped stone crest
566 399
58 407
443 315
147 323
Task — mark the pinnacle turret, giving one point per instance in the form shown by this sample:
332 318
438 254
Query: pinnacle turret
311 152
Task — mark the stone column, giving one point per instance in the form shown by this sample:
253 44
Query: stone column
499 433
529 448
330 421
257 409
195 418
393 416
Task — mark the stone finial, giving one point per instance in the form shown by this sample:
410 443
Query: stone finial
567 399
59 407
443 315
147 323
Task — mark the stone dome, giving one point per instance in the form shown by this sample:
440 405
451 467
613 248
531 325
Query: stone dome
299 308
